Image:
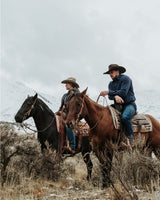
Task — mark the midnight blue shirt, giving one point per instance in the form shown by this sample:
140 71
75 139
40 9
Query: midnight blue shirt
122 86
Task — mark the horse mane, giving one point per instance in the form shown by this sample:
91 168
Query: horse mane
98 106
44 106
94 103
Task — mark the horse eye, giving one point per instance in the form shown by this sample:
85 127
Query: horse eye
77 112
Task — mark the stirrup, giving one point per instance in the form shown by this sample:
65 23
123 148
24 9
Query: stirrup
69 150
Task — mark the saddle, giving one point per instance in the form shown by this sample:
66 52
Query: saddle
140 122
81 130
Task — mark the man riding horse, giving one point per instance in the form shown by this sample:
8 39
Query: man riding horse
121 91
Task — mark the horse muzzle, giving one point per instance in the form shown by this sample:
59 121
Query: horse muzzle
18 118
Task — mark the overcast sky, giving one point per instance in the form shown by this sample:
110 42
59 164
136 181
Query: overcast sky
47 41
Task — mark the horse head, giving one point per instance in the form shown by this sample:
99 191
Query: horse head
76 109
27 109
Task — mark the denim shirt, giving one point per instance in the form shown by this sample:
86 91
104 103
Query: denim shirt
122 86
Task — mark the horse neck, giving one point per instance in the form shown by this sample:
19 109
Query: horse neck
94 111
99 119
41 116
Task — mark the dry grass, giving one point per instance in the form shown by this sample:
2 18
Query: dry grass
27 174
21 156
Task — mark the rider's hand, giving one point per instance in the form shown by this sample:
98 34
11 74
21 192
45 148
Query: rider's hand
58 112
118 99
104 93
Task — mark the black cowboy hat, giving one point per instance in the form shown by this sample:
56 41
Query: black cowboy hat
115 67
72 81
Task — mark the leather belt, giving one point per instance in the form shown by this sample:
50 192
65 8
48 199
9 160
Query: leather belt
129 102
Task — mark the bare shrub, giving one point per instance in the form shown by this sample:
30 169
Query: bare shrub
48 165
9 148
21 156
132 169
137 167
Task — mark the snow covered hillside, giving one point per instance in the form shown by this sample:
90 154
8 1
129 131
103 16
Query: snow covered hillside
13 94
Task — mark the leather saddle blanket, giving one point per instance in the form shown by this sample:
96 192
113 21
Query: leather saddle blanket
140 122
82 129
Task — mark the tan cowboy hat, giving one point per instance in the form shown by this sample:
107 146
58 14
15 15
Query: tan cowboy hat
72 81
115 67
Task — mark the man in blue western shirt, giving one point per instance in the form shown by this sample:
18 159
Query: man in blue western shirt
121 91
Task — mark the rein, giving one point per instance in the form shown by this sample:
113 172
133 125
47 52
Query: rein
26 126
97 122
103 100
101 113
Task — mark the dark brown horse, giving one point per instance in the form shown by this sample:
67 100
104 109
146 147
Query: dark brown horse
102 130
45 122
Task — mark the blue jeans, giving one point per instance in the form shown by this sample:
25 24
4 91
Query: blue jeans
72 139
128 112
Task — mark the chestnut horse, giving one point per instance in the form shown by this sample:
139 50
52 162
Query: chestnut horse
102 131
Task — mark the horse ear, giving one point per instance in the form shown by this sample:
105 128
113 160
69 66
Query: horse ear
35 96
84 92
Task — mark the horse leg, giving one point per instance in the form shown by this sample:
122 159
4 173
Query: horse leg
106 164
107 168
87 160
86 149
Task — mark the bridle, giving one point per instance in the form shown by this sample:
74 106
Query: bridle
29 111
80 112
